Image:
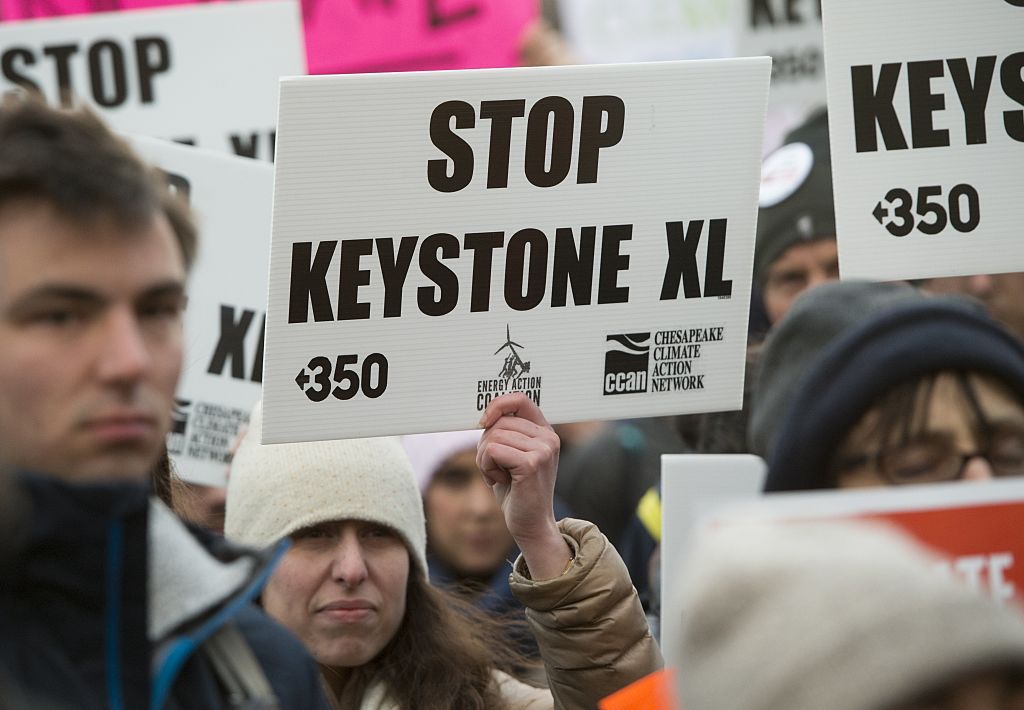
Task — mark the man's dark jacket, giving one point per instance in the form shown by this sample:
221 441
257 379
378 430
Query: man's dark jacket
107 599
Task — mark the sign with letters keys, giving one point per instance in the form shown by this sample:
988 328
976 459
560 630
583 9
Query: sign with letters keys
223 360
581 234
927 133
205 75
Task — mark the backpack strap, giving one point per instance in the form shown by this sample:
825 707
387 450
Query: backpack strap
238 671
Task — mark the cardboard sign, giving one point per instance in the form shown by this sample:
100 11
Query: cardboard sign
649 30
222 377
345 36
692 485
974 526
205 75
789 31
576 233
927 132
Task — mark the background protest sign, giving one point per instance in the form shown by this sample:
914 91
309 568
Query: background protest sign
927 133
576 233
649 30
974 526
692 485
227 293
205 75
345 36
789 31
643 30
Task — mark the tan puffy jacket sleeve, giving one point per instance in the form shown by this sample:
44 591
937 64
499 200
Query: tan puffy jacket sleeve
589 624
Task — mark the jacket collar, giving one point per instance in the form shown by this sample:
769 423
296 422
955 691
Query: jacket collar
185 573
185 579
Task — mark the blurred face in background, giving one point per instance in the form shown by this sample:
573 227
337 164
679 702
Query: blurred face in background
952 426
465 526
801 267
1002 294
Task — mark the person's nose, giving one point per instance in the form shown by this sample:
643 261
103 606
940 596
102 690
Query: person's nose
124 355
349 565
978 468
980 286
481 501
818 277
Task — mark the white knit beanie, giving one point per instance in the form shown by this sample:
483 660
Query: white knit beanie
844 616
276 489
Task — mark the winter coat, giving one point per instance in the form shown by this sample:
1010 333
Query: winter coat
589 625
109 601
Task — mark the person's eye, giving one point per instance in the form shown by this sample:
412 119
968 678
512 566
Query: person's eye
162 309
58 317
455 477
918 460
1006 453
313 533
378 532
789 280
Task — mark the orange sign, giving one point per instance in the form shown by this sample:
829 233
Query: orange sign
977 527
984 543
653 692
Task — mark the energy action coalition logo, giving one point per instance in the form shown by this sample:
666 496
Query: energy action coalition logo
626 363
514 365
514 375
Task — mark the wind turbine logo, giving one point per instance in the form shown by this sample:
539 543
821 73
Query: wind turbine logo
514 365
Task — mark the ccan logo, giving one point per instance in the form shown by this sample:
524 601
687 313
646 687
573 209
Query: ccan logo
179 425
627 363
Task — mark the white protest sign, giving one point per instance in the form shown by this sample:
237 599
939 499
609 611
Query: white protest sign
581 234
611 31
227 291
927 133
691 486
202 74
789 31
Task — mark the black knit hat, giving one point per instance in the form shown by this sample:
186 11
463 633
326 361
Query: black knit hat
796 194
816 318
897 345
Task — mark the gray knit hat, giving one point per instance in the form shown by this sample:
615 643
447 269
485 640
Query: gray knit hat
795 342
276 489
843 616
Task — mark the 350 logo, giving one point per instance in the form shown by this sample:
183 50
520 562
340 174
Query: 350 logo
322 378
961 210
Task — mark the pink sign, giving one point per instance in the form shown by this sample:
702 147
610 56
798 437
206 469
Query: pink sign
345 36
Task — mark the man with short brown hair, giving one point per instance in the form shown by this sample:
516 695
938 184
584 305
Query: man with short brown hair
109 600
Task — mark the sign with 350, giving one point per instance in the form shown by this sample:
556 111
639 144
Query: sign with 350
927 132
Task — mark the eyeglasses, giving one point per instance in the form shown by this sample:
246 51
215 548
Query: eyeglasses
933 457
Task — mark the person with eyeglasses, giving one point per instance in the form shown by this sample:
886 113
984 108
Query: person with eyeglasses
866 384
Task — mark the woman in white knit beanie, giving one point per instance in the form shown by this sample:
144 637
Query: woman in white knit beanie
353 586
